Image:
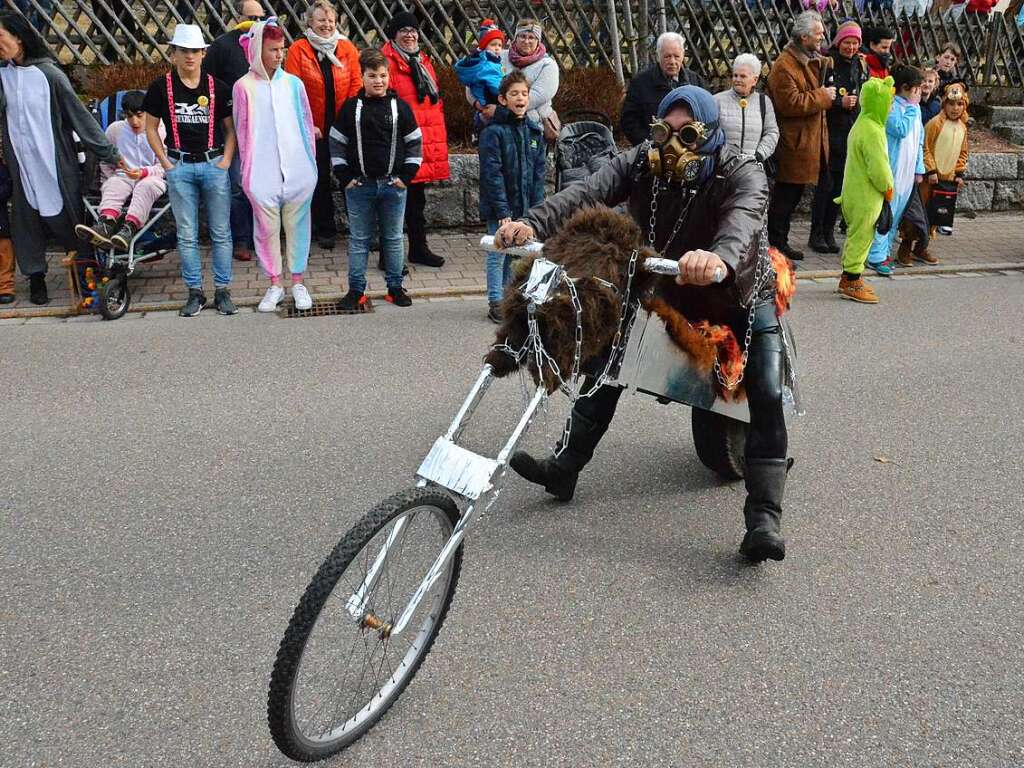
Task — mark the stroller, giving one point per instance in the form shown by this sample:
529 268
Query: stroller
583 146
102 282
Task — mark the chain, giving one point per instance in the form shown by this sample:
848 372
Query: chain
763 272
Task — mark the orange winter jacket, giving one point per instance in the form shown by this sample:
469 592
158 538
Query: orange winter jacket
429 117
302 63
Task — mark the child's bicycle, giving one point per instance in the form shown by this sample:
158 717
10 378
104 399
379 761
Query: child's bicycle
375 606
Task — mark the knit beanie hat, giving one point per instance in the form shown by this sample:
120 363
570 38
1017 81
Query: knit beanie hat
488 33
848 28
401 20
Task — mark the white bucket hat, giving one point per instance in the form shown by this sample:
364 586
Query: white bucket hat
188 36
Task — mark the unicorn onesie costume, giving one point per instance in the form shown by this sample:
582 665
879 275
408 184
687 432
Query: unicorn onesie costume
905 135
276 144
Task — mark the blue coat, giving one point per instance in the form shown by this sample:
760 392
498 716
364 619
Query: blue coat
481 73
512 166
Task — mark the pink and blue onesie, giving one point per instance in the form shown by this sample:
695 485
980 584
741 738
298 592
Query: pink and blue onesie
274 125
905 135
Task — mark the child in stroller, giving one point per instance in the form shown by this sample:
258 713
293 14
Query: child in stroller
141 186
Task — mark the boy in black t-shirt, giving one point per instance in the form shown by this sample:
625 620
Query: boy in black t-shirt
376 150
196 155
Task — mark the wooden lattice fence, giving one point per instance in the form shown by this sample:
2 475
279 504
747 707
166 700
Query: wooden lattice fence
614 33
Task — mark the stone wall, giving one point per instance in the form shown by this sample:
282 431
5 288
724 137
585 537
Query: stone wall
995 182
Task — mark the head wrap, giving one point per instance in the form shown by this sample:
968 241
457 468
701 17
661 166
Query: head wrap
401 20
704 109
534 29
848 28
488 33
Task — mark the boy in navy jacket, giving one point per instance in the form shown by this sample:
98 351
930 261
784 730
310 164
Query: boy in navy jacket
512 165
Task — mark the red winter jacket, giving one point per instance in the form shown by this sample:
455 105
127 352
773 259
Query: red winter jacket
302 63
430 117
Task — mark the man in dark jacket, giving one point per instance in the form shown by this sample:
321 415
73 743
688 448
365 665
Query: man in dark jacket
649 87
847 74
712 222
226 61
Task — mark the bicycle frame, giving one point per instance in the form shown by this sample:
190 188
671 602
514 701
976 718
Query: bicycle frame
464 473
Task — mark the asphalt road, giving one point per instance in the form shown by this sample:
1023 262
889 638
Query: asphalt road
169 486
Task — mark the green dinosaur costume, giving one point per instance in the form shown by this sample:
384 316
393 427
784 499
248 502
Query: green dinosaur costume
867 177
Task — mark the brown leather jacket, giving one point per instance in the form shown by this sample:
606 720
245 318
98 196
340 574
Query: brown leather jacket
725 217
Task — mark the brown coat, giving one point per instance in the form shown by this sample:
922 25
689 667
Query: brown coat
801 104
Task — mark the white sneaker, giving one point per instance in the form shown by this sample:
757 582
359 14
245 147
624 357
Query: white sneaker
302 298
271 299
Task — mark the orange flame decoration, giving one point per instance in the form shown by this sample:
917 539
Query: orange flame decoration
785 281
703 342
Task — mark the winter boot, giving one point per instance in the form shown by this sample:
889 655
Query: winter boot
558 474
904 255
856 290
762 512
817 242
37 293
830 241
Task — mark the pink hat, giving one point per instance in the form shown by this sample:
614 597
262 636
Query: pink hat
848 28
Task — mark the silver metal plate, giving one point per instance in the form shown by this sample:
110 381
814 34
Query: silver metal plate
545 277
457 469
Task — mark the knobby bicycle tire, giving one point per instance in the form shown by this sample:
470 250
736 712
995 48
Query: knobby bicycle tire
280 710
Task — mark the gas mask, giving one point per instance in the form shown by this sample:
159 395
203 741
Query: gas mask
670 155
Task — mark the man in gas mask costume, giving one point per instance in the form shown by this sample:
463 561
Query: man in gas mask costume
698 201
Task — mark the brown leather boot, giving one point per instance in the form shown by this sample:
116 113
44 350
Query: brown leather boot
921 254
6 271
857 290
904 255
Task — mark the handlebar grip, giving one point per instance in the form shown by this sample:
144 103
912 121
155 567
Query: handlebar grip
670 267
529 249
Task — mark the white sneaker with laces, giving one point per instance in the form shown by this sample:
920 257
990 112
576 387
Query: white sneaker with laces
271 299
301 296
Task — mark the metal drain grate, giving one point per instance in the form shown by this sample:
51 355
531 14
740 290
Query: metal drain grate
322 308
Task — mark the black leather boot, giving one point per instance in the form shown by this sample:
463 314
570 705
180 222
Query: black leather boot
558 474
766 481
817 243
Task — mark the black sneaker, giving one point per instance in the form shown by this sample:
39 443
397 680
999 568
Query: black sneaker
494 312
194 305
124 236
353 301
398 297
37 289
427 259
222 302
98 234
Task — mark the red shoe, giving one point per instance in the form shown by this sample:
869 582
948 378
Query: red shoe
241 253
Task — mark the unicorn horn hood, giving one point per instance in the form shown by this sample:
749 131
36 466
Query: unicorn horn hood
252 44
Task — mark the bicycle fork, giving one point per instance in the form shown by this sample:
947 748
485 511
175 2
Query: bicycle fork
464 473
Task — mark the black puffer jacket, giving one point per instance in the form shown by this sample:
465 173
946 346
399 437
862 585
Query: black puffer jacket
725 217
848 75
645 93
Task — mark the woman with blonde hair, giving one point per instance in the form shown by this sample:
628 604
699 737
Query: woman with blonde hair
327 63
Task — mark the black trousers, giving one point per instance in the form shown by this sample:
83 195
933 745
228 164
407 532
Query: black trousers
767 437
824 211
785 199
322 206
415 220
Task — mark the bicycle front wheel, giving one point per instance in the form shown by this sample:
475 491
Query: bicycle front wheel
337 674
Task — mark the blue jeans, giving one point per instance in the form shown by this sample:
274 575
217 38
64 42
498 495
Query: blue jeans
187 185
498 267
241 208
370 200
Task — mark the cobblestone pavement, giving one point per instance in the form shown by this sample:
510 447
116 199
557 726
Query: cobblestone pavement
986 241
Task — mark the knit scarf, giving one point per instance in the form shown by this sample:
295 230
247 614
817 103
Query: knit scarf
426 86
325 45
520 60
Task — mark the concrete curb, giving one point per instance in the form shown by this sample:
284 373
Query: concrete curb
459 292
